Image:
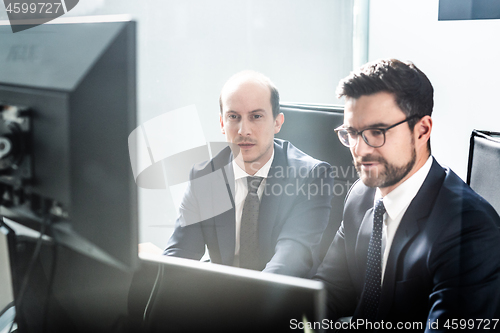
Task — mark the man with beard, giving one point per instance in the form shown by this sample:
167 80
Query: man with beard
281 197
417 248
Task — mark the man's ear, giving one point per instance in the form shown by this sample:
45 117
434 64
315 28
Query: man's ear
278 122
222 124
423 129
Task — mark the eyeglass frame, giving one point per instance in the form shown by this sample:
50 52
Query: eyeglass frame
383 130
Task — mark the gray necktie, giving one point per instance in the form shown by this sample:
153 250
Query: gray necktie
373 277
249 236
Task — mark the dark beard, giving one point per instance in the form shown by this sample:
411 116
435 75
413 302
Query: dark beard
391 174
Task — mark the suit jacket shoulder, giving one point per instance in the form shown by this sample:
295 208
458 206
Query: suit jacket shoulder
460 196
289 156
221 160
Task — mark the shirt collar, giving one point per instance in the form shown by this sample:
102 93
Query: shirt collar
400 198
262 172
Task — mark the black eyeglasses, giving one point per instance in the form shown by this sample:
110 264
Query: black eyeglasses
374 136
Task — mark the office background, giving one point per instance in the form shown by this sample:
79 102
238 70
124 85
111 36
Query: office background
188 49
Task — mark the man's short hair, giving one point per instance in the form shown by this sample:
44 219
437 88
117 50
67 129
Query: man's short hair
412 89
248 74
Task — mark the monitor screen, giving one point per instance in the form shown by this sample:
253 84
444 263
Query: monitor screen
67 107
180 295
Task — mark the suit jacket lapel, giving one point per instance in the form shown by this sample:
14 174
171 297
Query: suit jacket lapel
225 224
270 203
363 240
419 208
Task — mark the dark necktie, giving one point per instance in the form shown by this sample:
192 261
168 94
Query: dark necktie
249 236
373 277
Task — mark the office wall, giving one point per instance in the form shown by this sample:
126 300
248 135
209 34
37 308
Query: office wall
461 58
187 49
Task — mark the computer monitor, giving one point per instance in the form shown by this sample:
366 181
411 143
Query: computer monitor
181 295
67 107
7 309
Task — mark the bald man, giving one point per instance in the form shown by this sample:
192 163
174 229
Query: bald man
280 197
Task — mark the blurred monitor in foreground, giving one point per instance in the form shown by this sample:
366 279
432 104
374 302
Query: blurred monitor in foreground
67 107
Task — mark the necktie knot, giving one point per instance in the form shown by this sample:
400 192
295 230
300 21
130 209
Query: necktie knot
253 184
379 209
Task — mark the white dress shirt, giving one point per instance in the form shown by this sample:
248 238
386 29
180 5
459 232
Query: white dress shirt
241 191
396 203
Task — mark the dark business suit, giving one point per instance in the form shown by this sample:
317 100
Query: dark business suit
291 218
444 262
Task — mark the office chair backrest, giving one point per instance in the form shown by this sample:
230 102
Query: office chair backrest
483 172
311 129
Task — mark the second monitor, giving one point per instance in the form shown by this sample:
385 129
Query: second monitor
189 296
